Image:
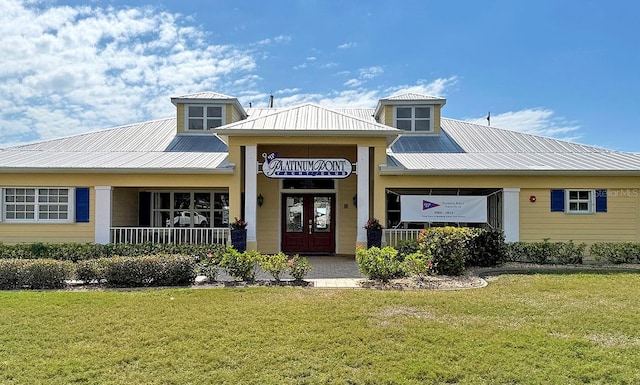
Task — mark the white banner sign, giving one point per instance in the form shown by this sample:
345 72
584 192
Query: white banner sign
443 208
334 168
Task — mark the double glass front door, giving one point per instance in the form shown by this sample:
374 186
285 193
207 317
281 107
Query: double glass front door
308 224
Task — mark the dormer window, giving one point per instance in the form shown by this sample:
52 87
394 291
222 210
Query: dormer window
204 117
414 119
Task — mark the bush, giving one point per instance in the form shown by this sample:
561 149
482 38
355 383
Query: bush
241 266
92 270
274 264
406 248
418 264
448 246
34 274
616 252
382 264
162 270
209 266
546 252
299 267
486 249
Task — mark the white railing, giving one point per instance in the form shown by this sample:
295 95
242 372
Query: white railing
198 235
394 236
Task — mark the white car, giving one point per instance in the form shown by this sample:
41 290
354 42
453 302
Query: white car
183 219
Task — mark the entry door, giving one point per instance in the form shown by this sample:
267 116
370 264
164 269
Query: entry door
308 223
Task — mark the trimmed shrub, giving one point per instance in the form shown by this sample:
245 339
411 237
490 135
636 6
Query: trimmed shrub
274 264
406 248
241 266
448 246
92 270
299 267
546 252
34 274
209 266
162 270
616 252
487 248
382 264
418 265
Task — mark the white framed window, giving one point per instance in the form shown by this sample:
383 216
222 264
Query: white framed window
37 204
580 201
189 209
202 117
414 118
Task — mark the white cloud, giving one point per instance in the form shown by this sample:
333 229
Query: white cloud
282 39
287 91
538 121
300 66
329 65
352 83
67 70
434 88
311 58
348 45
370 72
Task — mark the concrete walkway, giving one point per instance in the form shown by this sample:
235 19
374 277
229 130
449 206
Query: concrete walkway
340 271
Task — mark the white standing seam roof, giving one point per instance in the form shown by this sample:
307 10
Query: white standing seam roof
144 147
412 96
461 148
306 119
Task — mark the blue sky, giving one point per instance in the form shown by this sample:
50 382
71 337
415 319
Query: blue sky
567 69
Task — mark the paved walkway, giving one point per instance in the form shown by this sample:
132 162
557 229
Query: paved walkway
340 271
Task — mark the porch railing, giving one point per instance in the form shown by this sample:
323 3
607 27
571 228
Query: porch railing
198 235
394 236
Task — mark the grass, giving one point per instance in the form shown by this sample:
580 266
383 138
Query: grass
521 329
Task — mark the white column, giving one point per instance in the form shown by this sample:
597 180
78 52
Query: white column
511 214
103 214
363 192
250 190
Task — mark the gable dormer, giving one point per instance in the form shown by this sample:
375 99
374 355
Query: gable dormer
205 111
411 113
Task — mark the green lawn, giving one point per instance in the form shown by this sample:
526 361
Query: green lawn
521 329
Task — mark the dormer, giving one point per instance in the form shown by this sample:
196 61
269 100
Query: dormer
411 113
203 112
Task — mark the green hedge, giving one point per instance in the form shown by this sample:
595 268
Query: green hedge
161 270
546 252
383 264
34 274
616 252
85 251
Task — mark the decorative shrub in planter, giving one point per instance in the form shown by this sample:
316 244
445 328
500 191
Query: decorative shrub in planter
239 235
374 233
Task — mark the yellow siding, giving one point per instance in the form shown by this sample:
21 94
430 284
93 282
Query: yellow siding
619 223
268 216
347 215
233 114
180 117
388 116
11 233
124 207
437 112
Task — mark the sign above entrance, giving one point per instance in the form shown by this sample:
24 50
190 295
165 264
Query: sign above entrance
334 168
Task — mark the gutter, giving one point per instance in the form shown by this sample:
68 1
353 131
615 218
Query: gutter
227 170
399 171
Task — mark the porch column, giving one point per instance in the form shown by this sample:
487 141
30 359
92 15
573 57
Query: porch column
250 194
511 214
103 214
363 194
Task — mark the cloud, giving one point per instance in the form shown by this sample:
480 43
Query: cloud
436 87
348 45
537 121
70 69
311 58
300 66
370 72
352 83
282 39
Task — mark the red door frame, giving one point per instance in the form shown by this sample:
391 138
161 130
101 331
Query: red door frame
308 241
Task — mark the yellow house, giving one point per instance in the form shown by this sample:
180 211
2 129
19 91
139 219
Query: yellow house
307 178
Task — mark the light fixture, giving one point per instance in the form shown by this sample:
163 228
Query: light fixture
260 200
355 200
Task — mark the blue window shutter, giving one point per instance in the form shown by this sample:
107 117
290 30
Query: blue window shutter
557 200
82 204
601 201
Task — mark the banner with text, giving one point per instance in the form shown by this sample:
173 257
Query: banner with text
443 208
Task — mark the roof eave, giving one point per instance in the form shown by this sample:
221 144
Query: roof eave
387 102
233 101
229 168
387 170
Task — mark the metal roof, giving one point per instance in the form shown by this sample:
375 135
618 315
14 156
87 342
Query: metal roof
141 147
205 95
412 96
308 119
